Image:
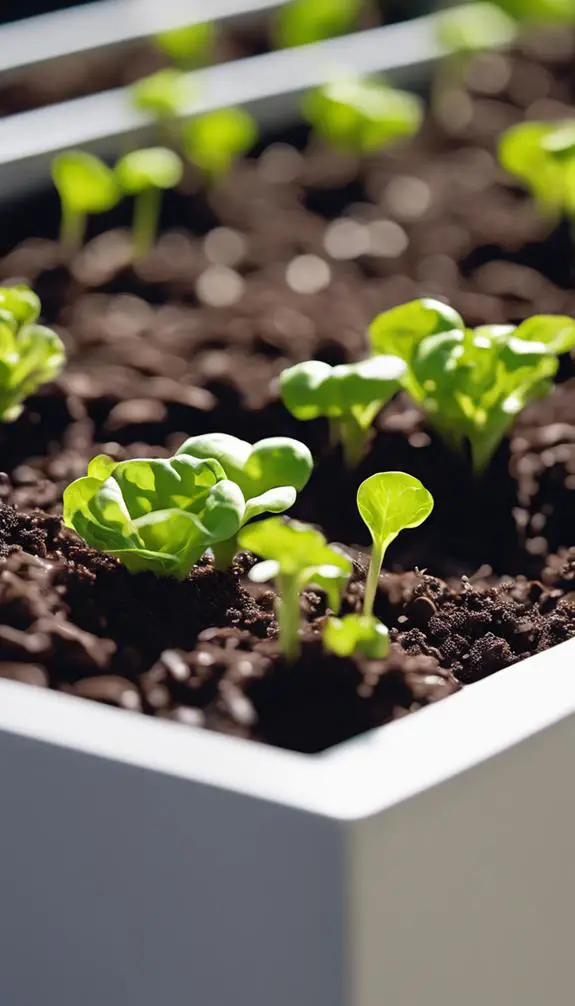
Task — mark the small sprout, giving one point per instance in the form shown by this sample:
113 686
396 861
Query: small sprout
270 474
215 140
542 156
300 22
474 27
388 503
145 174
164 95
30 354
357 634
155 515
349 395
362 115
86 186
190 46
472 383
297 556
550 12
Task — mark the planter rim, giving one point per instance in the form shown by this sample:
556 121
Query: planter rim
354 780
110 24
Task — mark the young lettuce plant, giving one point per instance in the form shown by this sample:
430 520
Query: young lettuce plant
30 354
188 47
472 383
212 142
270 473
357 634
362 115
300 22
349 395
388 503
297 556
542 156
154 515
86 186
146 174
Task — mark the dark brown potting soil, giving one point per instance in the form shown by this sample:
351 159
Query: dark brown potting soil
290 258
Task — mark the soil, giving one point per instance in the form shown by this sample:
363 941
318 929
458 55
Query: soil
290 258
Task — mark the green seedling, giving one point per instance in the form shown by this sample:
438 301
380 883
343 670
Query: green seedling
546 12
30 354
472 383
357 634
461 32
362 115
164 95
188 47
388 503
296 556
542 156
146 174
214 141
86 186
350 396
269 473
154 515
300 22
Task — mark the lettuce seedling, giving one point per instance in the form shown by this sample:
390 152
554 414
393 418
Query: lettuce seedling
212 142
362 116
297 556
189 47
146 174
388 503
300 22
86 186
472 383
156 515
163 95
30 354
542 156
270 474
357 634
349 395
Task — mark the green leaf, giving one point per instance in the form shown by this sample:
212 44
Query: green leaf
557 332
164 95
30 354
476 26
273 501
189 46
215 140
542 11
390 502
362 115
19 304
357 634
84 182
400 330
153 168
301 22
295 546
540 154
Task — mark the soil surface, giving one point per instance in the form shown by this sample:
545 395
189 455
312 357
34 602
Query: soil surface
290 258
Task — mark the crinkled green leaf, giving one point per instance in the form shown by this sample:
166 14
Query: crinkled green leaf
30 354
400 330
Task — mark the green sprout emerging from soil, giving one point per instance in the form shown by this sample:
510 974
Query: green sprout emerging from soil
542 156
190 46
300 22
362 116
472 383
154 515
388 503
269 474
214 141
86 186
357 634
297 556
350 396
146 174
30 354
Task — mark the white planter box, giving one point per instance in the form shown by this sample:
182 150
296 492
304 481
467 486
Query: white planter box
142 863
